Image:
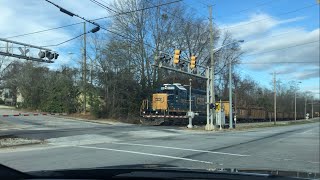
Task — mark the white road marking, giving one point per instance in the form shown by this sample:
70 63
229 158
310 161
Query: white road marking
147 154
314 162
306 131
184 149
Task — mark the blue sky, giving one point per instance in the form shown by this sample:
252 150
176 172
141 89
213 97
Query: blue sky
265 25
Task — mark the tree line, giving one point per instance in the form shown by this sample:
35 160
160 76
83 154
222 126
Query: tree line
120 71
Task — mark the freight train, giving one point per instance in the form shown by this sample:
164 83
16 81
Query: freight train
256 114
170 105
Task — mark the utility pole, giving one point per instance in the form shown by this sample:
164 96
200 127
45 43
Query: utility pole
275 98
208 98
295 101
235 107
312 107
305 108
230 95
212 98
295 105
84 69
156 70
91 70
190 109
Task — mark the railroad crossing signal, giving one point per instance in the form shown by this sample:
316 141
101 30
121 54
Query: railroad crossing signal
193 62
26 51
48 54
176 57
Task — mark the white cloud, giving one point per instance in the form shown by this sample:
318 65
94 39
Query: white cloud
308 74
275 36
298 46
256 25
278 40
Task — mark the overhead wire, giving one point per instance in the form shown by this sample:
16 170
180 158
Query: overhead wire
122 13
103 6
244 10
166 11
36 32
66 40
128 38
92 22
136 10
72 14
280 62
105 17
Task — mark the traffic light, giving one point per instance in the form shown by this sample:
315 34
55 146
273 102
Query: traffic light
176 57
217 107
193 62
161 57
48 54
42 54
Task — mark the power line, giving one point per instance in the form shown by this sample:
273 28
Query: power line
66 40
72 14
168 12
103 6
205 3
128 38
136 10
202 13
282 48
123 13
280 62
105 17
36 32
244 10
281 14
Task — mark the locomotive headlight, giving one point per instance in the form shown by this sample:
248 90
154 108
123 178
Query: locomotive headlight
156 112
143 112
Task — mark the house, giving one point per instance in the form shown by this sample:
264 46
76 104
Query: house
8 97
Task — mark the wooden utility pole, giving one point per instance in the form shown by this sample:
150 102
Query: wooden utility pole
275 98
84 69
212 117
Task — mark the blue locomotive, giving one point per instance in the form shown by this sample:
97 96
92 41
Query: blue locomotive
172 101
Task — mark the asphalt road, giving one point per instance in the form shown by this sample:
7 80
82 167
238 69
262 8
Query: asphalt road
77 144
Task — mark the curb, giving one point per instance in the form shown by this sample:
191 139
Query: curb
33 114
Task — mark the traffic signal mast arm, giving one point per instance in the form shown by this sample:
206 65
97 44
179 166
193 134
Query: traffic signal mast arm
182 72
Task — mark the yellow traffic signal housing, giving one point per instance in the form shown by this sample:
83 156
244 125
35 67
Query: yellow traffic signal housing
217 107
193 62
176 57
